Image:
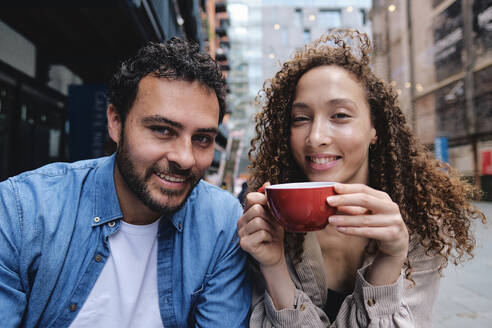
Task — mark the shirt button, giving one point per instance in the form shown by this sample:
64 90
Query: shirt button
303 307
371 302
98 258
97 219
73 307
180 226
111 224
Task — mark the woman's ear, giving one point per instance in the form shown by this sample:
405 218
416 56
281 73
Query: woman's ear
374 136
114 124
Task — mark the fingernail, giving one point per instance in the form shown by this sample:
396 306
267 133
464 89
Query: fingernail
331 200
333 219
341 228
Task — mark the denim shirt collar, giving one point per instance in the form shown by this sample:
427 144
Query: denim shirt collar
178 217
106 203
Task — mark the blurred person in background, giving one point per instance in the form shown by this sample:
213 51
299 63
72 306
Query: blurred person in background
135 239
402 214
243 192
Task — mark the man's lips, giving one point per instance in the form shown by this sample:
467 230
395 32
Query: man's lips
171 178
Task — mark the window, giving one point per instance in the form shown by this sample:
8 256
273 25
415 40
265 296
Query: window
330 18
298 17
306 35
285 37
364 16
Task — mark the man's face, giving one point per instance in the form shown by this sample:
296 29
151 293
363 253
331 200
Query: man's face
166 143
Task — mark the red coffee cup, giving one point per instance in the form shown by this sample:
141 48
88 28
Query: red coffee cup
302 206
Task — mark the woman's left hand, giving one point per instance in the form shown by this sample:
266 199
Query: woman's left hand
370 213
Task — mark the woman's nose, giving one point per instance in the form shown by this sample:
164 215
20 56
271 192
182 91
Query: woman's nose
319 134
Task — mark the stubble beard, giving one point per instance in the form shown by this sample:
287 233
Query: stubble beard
139 185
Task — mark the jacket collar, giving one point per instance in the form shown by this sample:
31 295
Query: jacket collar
106 203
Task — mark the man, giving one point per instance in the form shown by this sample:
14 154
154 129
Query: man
135 239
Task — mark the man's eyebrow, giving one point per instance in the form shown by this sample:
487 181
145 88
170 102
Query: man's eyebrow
156 119
208 130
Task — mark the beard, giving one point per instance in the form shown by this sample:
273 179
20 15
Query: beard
140 187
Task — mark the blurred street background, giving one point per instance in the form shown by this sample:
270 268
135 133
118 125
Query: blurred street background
465 296
55 62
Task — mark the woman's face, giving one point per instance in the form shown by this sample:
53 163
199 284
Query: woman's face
331 129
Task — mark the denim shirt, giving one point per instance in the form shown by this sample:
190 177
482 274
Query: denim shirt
54 228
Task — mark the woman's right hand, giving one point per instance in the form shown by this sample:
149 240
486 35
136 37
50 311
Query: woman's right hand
260 235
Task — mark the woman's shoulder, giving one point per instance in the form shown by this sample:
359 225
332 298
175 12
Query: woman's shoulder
421 257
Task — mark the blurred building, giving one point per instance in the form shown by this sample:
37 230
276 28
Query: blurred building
245 79
55 62
263 34
438 57
289 25
215 25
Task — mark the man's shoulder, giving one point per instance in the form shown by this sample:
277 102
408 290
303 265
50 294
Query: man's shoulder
59 169
59 177
210 200
214 195
210 216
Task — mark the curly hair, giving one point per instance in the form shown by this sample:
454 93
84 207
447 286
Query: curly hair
433 199
175 60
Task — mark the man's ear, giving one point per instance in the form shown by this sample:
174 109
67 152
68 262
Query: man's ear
114 124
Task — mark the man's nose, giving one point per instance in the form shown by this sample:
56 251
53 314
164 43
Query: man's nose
182 154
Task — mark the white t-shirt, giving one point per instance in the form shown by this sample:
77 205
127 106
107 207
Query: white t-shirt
125 294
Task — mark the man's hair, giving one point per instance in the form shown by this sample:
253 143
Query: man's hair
174 60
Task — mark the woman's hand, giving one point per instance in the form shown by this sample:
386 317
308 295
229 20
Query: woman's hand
260 235
372 214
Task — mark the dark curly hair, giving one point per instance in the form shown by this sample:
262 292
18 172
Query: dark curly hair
433 199
176 60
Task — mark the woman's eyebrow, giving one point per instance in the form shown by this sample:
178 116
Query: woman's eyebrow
341 101
332 102
299 104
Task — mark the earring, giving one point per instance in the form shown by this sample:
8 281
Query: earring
372 147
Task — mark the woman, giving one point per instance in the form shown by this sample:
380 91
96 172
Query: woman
402 215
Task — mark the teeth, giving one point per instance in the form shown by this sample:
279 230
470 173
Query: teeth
170 178
322 160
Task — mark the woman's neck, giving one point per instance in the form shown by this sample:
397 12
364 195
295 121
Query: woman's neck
343 255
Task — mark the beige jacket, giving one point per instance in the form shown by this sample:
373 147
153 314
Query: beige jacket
398 305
